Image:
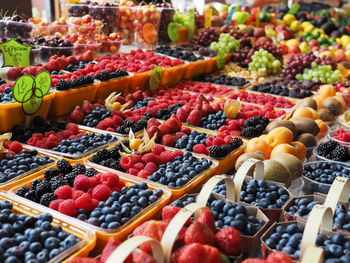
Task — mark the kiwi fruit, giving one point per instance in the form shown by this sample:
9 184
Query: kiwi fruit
291 162
282 123
306 125
333 105
308 102
307 139
276 171
245 156
326 115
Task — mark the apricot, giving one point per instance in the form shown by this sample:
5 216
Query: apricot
258 145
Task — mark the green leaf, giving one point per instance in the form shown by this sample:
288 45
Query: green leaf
21 87
15 54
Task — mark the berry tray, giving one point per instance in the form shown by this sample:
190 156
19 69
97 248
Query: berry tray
139 81
222 91
76 157
250 243
118 84
104 234
86 235
12 114
312 186
173 74
30 172
191 186
65 101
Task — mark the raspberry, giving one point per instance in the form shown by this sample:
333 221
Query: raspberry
168 140
151 168
67 207
73 128
138 166
167 156
199 148
143 174
136 158
149 157
186 130
126 162
95 180
158 149
84 202
52 141
55 203
110 179
177 153
76 194
66 133
81 182
63 192
94 203
101 192
16 147
218 141
132 171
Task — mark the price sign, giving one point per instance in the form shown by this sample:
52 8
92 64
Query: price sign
156 76
15 54
30 91
173 31
149 33
191 25
229 17
207 18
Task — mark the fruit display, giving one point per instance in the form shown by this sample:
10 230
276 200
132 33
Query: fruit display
264 60
332 150
206 36
54 46
15 26
226 43
222 79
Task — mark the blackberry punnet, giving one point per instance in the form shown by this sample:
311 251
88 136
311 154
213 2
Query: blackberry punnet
166 113
254 126
64 166
222 80
46 199
178 52
334 151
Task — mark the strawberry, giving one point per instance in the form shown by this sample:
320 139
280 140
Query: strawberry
14 73
86 107
178 135
174 123
182 114
152 130
194 117
207 219
228 240
169 212
52 66
168 140
186 130
278 256
199 233
164 129
152 228
254 260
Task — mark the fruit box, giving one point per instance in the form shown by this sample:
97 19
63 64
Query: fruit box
250 244
12 114
104 234
107 87
76 157
191 186
173 74
195 68
211 65
15 180
65 101
139 81
183 35
86 235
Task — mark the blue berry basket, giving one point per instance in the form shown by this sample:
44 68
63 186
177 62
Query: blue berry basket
85 234
311 186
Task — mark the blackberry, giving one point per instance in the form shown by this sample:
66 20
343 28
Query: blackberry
90 172
62 85
236 143
57 182
148 115
216 151
70 178
139 125
22 191
265 120
250 132
35 183
51 173
64 166
114 152
47 198
95 159
260 128
103 154
327 147
122 130
341 154
252 121
42 188
31 195
105 75
79 168
128 123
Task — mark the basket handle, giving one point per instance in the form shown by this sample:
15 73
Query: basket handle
209 186
245 169
176 224
339 191
313 255
127 247
319 216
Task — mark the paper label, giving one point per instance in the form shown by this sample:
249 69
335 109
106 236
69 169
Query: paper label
15 54
149 33
173 31
229 17
155 77
30 91
207 19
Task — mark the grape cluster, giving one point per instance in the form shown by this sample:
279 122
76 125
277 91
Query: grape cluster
277 52
324 73
242 56
226 43
296 64
206 36
263 59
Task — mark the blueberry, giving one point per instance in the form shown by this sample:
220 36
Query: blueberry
70 241
42 256
54 253
52 242
35 247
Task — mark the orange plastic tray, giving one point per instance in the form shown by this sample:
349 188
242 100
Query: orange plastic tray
183 36
173 75
12 114
104 234
191 186
85 234
107 87
65 101
195 68
211 65
139 81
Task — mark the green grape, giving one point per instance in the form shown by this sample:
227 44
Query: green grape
262 59
324 73
226 42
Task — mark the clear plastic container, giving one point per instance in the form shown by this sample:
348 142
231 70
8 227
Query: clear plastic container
312 186
108 14
47 52
166 17
88 31
41 30
330 136
296 187
12 29
109 47
78 9
126 28
58 29
86 235
321 158
81 48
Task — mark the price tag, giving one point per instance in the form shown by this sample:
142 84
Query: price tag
173 31
220 59
207 19
73 1
191 26
30 91
294 9
149 33
254 11
156 76
15 54
229 17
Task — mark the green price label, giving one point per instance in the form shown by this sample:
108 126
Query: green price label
156 76
191 25
173 31
294 9
30 91
220 60
15 54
